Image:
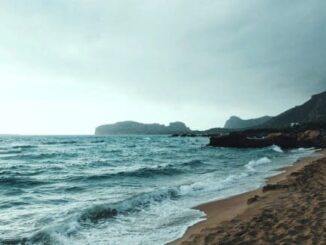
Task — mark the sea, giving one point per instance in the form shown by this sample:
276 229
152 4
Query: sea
120 189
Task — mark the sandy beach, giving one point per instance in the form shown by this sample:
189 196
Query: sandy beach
289 209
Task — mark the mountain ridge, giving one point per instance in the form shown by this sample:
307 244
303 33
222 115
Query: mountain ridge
311 111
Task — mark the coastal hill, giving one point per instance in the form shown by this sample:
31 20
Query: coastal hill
235 122
136 128
313 111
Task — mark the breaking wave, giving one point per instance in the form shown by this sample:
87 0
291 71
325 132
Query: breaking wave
133 204
277 148
253 163
93 215
145 172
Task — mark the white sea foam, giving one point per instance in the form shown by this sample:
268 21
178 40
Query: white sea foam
300 150
254 163
277 148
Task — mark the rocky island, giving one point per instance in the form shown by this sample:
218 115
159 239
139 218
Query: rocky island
136 128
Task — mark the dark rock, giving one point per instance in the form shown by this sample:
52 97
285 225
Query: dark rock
271 187
252 199
237 140
309 138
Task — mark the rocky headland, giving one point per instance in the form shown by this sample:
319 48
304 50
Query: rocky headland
136 128
301 126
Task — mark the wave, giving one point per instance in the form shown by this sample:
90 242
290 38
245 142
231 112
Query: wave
4 152
19 182
150 172
136 203
14 241
74 189
49 236
112 151
145 172
193 163
98 213
16 149
13 171
41 237
277 148
302 150
60 142
11 204
24 146
38 156
97 141
210 184
60 233
234 177
253 163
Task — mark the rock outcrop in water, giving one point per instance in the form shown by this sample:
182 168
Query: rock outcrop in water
136 128
286 140
235 122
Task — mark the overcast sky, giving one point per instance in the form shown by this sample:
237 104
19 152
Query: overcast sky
68 66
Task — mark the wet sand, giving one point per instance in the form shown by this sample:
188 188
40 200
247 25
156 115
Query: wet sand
289 209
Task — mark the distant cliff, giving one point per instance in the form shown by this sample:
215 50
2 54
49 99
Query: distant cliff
313 111
134 128
238 123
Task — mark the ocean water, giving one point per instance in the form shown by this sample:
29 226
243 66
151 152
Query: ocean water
119 189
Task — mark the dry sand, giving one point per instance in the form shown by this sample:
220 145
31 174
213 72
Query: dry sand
290 209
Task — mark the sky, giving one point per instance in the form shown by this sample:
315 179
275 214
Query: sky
69 66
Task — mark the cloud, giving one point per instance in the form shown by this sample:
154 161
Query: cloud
233 57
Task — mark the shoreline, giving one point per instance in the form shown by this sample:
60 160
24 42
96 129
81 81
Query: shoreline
231 208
